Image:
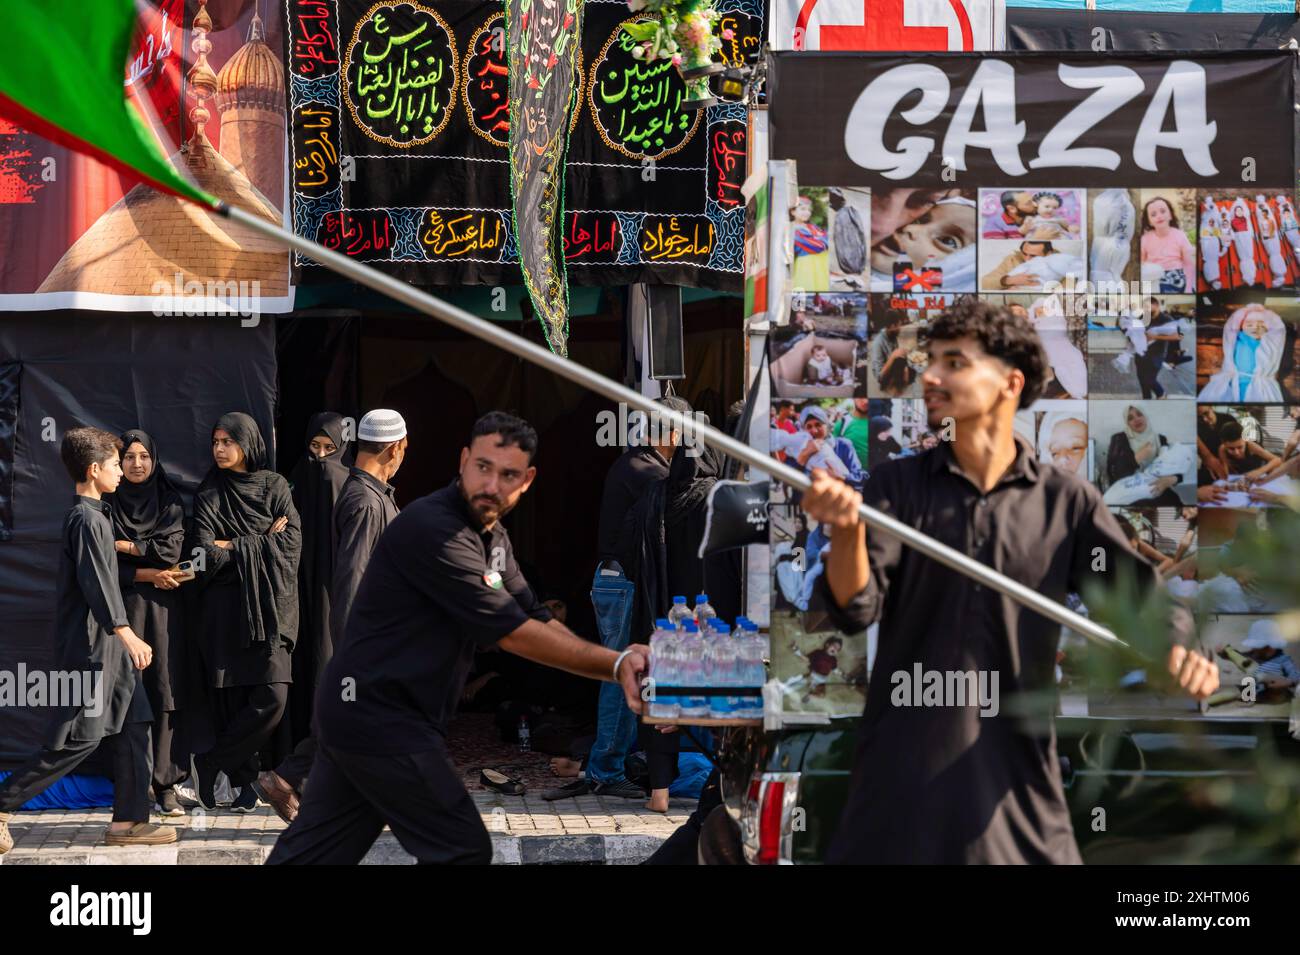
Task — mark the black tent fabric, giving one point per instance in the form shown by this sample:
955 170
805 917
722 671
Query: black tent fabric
171 376
1128 32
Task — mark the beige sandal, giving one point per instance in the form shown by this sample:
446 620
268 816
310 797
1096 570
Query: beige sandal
142 834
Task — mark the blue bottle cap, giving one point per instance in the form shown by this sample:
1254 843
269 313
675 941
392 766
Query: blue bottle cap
701 598
679 600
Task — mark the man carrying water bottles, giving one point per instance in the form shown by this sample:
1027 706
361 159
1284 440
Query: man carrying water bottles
442 582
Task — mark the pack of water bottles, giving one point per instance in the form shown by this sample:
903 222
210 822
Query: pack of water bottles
695 649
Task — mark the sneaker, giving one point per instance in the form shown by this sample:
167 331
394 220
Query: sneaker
168 804
205 783
623 789
6 840
142 834
570 790
277 793
246 801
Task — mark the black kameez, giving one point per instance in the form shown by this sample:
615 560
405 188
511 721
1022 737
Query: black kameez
316 483
151 515
365 507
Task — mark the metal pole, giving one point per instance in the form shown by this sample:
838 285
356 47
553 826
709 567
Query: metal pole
490 332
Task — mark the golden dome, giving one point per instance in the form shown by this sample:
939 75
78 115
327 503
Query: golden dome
148 237
253 76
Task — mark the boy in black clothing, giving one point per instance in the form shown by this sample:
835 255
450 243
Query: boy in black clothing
94 640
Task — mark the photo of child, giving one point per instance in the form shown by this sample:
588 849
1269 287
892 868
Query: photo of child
1030 265
1031 238
1058 433
1148 353
1244 240
1247 351
820 670
1257 670
818 437
934 252
896 353
822 352
1112 236
1167 242
812 260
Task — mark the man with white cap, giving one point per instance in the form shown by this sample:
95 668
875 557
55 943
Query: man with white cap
365 506
1265 644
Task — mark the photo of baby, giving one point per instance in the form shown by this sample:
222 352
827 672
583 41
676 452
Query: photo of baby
1247 455
933 252
821 433
820 669
1112 236
1247 350
1062 329
1148 353
1144 452
1031 240
822 352
1247 237
1167 240
1257 670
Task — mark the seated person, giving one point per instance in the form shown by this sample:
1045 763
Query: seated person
1245 459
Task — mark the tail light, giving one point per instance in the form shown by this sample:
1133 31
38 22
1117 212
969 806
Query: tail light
766 820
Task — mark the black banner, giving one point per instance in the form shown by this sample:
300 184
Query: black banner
1112 31
400 120
943 120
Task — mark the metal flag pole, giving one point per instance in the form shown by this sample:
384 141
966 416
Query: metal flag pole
488 331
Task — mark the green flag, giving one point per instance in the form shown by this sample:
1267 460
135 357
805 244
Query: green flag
62 76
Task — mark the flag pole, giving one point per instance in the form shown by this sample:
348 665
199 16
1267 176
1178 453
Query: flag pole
579 374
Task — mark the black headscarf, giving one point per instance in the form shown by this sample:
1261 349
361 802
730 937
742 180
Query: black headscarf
150 509
241 507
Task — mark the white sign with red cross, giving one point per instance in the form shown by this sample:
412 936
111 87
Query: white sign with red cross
888 25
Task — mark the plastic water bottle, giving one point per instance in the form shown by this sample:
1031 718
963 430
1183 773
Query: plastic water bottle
525 735
722 668
679 613
752 671
704 612
663 664
692 672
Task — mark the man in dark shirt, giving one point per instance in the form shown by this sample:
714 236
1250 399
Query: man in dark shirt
365 507
612 596
442 582
97 646
968 780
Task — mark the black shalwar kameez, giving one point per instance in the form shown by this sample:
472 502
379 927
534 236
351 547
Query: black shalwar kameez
88 609
248 605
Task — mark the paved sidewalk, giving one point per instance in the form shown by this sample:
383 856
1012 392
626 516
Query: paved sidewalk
525 830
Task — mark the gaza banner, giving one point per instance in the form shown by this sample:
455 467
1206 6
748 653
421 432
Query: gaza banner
1139 211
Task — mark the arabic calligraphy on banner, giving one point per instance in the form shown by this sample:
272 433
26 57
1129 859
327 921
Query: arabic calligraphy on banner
400 73
366 234
727 163
315 149
677 238
584 227
479 234
315 44
637 105
592 237
746 37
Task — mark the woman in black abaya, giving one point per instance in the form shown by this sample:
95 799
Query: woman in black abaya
148 531
251 538
316 481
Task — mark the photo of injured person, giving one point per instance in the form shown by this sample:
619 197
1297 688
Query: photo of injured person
1031 240
923 241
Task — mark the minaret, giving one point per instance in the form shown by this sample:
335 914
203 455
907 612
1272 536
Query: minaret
202 84
250 99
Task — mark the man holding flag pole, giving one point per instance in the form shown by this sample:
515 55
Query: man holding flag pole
83 106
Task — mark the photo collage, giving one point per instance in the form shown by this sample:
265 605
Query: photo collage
1169 319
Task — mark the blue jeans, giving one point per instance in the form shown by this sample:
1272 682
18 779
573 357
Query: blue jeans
616 725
